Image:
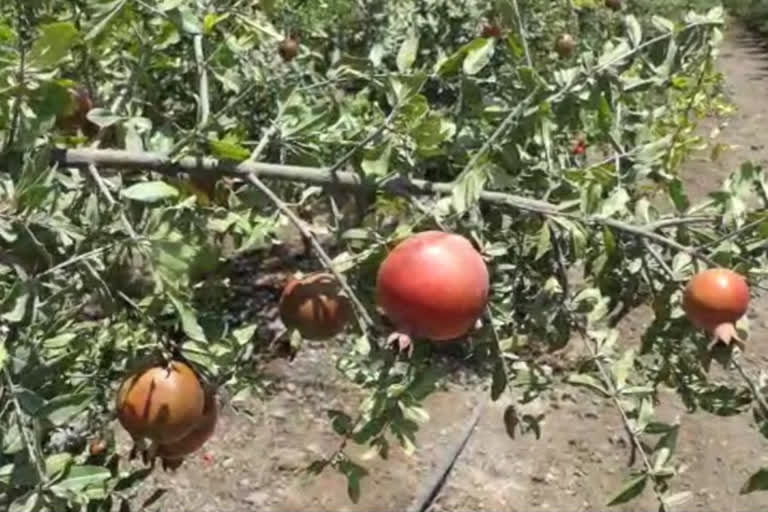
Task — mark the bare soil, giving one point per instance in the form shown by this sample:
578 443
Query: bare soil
255 460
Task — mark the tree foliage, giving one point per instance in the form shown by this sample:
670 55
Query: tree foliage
563 171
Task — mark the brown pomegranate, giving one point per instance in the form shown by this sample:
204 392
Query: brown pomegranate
714 300
162 403
433 285
315 306
614 5
565 45
491 30
288 48
175 451
76 118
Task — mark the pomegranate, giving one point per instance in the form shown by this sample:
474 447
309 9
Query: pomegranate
565 45
97 446
614 5
288 48
161 402
76 118
491 30
172 454
432 285
714 300
314 306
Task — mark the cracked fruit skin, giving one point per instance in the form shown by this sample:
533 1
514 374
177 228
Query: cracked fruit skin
197 437
714 299
162 403
315 306
433 285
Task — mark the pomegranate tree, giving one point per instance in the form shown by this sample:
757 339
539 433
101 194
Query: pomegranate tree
433 285
714 300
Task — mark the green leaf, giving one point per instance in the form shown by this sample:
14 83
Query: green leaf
678 195
544 241
757 482
30 502
478 55
634 32
662 24
15 306
244 334
645 415
354 474
406 56
614 55
414 413
53 44
467 189
102 117
583 379
62 409
665 448
228 150
616 203
3 356
340 422
109 12
189 322
150 191
499 382
631 490
83 479
622 367
58 463
167 5
376 160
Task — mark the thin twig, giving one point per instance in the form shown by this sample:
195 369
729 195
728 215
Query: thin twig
752 387
18 100
523 34
500 130
202 89
656 256
735 233
607 381
94 172
364 317
25 436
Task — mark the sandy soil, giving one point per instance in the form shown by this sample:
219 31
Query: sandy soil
255 461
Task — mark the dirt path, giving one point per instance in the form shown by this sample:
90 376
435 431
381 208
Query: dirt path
580 460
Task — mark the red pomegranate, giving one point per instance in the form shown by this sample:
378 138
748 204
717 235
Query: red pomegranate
433 285
714 300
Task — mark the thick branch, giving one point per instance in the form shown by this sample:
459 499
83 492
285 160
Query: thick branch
125 160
